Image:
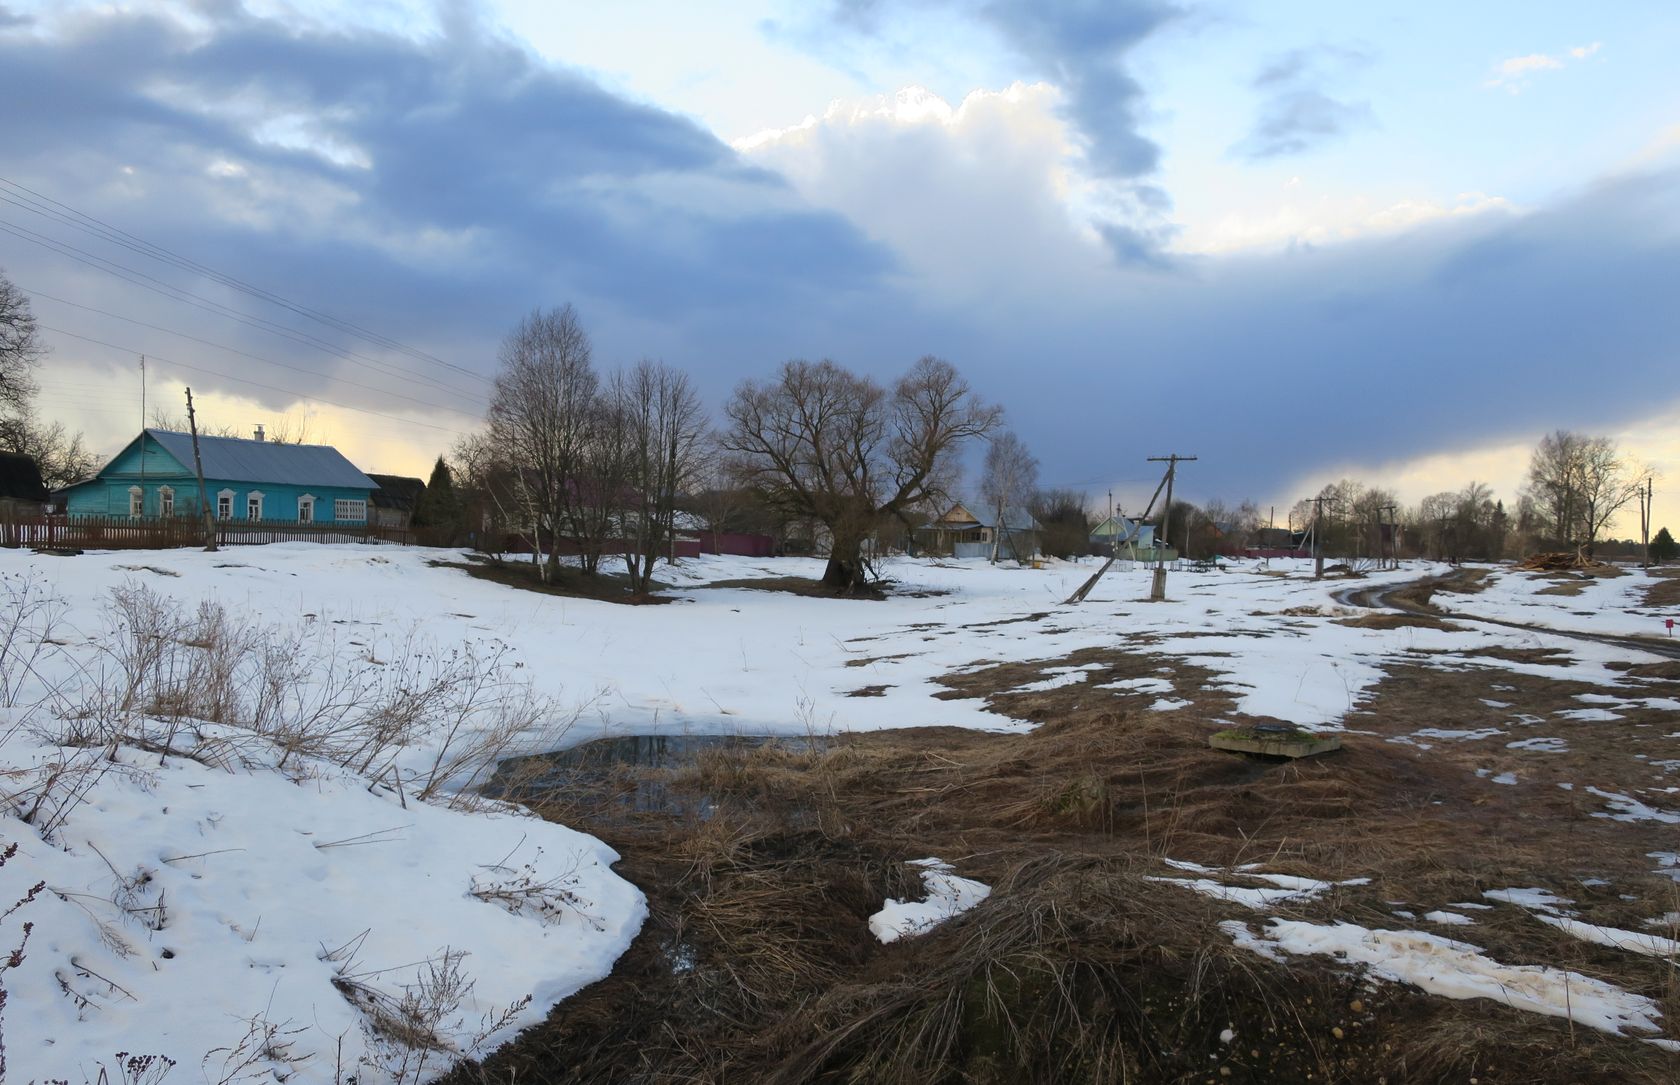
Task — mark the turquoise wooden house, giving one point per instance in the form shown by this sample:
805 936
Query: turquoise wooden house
244 481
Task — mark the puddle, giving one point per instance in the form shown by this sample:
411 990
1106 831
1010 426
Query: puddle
629 775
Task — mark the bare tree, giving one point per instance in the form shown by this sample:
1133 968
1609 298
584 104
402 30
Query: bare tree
62 456
542 412
820 441
21 350
1010 476
1606 484
664 425
1579 483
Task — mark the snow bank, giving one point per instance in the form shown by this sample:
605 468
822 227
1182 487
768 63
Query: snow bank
237 914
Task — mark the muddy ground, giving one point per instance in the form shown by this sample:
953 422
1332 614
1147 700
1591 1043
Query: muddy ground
756 963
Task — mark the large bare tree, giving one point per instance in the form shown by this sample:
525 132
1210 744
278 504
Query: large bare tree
1009 479
820 441
61 455
544 412
1580 483
664 424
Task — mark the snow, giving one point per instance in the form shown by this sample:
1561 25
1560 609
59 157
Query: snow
1651 945
1459 735
1448 919
1283 888
948 895
1540 744
1535 900
188 905
228 827
1628 808
1452 969
1509 779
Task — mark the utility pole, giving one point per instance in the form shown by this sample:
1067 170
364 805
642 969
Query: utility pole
1318 537
1158 583
143 438
1645 520
198 468
1388 537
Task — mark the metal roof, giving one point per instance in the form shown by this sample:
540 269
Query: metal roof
239 460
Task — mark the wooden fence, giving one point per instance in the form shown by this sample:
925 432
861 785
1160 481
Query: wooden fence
122 533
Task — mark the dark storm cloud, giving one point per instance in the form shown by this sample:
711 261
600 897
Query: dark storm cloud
440 186
1296 114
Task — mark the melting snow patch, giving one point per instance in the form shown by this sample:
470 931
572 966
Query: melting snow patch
1140 685
1059 677
1450 919
1284 887
1588 715
1668 863
1458 735
1628 808
1167 704
1535 900
1540 744
1507 778
1496 704
1441 966
948 895
1652 945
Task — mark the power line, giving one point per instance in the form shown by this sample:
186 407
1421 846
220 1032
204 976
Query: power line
186 297
255 384
78 220
236 350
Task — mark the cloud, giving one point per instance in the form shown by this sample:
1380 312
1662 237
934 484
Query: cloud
1514 73
1079 48
1296 114
440 186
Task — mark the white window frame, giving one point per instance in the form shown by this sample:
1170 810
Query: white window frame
136 502
224 504
306 508
166 501
350 510
254 498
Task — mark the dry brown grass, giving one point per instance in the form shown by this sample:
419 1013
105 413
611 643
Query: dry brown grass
756 964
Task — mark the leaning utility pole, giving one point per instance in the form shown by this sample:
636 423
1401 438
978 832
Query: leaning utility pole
1085 588
198 468
1158 583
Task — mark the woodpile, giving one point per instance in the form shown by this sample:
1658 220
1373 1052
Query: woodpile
1558 562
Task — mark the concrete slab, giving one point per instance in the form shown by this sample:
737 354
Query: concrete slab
1275 743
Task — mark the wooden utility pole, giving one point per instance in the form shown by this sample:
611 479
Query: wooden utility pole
1085 588
198 468
1318 537
1158 583
1388 538
1645 520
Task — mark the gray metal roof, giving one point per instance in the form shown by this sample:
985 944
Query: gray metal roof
239 460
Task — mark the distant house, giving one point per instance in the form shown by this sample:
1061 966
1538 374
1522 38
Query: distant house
22 493
394 502
965 534
244 480
1119 532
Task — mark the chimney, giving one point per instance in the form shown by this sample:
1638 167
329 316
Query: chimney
259 433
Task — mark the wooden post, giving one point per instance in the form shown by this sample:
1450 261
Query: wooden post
198 468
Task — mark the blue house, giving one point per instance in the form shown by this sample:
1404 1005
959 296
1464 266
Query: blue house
244 480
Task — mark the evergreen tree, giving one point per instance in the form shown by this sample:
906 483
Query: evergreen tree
439 509
1663 547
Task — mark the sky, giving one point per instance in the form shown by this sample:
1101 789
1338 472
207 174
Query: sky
1299 240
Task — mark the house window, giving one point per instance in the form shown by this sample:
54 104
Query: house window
136 501
166 502
253 505
353 511
306 509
